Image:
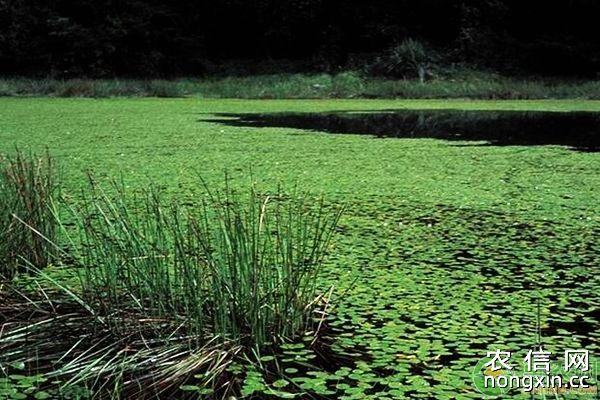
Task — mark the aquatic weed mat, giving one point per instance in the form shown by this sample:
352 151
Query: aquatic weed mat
423 292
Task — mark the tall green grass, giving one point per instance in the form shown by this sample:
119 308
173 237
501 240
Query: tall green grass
352 84
28 188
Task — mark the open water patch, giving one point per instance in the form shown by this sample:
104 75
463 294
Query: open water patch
577 130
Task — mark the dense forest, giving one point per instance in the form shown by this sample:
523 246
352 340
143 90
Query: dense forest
156 38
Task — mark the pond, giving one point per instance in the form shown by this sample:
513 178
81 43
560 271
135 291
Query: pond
448 247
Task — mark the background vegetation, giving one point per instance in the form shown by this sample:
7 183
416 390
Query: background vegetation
151 38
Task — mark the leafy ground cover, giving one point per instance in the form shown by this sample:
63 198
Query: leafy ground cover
444 251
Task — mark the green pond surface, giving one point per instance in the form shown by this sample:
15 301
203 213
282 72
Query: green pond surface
444 252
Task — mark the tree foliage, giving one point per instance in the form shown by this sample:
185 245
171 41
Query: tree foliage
100 38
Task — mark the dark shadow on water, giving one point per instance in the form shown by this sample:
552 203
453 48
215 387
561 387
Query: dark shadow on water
577 130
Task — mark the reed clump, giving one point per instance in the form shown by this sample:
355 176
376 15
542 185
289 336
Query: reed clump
28 227
151 292
242 266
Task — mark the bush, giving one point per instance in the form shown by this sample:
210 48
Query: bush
347 84
410 59
77 88
28 187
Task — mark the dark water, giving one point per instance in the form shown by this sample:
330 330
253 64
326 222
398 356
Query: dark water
578 130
